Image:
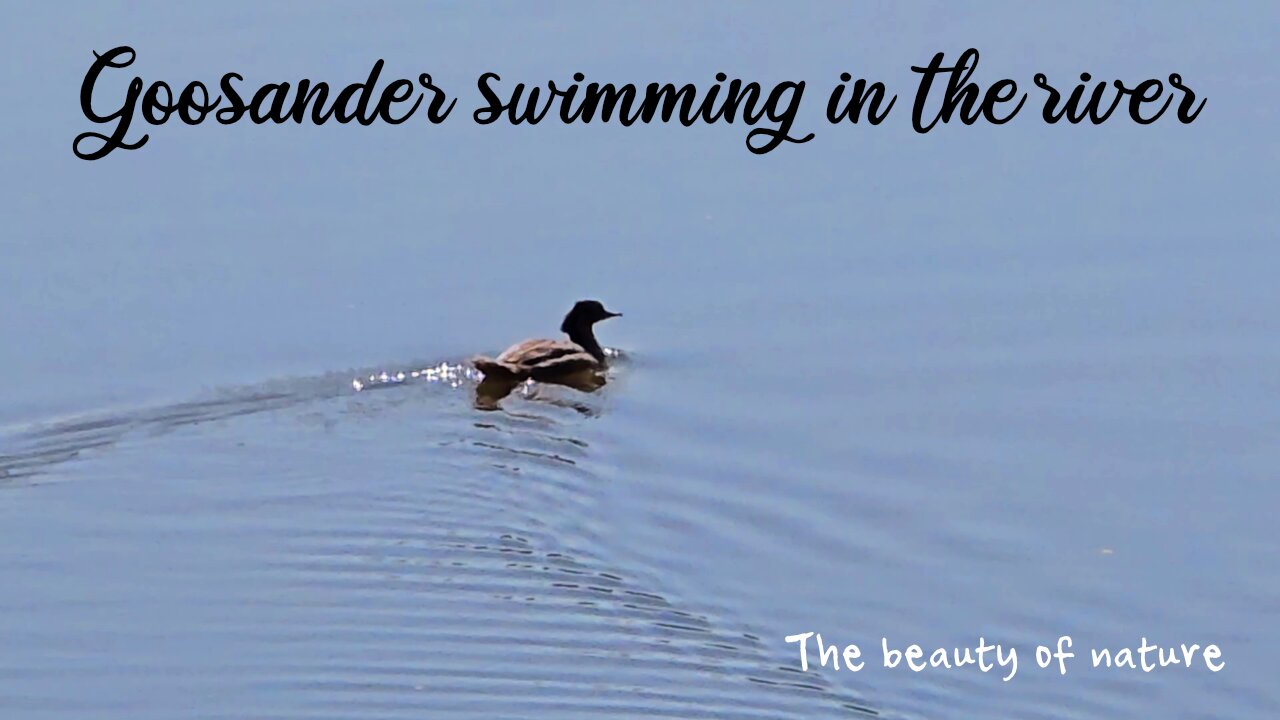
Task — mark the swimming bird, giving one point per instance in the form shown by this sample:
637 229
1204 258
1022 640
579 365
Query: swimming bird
553 360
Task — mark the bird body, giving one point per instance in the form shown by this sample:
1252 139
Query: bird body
538 359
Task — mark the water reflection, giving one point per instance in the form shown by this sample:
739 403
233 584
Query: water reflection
491 391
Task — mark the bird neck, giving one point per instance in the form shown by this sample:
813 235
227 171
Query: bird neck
583 335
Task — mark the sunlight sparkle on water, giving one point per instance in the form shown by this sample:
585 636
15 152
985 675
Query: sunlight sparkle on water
454 375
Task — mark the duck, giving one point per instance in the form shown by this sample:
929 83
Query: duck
553 360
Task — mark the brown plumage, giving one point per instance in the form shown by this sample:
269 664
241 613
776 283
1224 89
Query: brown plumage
551 359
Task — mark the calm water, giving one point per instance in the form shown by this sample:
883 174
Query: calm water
1012 382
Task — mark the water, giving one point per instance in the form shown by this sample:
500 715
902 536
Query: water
1011 382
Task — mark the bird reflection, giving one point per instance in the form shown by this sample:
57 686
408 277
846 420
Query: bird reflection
492 390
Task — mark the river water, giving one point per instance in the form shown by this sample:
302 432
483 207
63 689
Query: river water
1008 383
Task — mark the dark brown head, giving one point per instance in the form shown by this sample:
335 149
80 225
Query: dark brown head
577 325
584 314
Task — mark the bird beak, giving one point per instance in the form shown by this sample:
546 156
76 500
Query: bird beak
608 314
